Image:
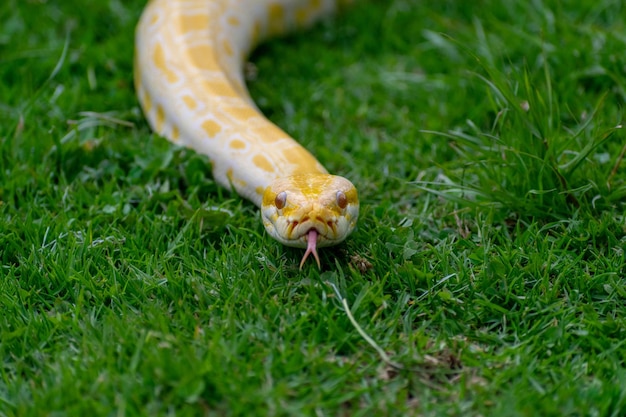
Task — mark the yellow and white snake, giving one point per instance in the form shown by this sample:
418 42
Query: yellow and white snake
189 60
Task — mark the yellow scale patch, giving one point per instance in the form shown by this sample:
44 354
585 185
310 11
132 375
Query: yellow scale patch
268 133
146 100
233 180
190 102
262 162
220 88
306 162
242 112
158 57
202 56
237 144
211 128
228 48
175 133
194 22
160 119
276 18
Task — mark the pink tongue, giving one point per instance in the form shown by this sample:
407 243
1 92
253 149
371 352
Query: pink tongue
311 248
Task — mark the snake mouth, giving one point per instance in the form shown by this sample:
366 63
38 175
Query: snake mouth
305 235
325 229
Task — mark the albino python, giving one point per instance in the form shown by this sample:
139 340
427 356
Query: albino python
189 58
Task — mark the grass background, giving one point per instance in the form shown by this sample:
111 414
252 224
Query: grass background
489 264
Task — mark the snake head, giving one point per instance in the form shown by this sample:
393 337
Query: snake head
310 211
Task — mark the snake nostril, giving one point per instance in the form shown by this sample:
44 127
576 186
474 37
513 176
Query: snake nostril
305 218
319 219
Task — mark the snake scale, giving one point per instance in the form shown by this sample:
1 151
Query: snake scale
189 60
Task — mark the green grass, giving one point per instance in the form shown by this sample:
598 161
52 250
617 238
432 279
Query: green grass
489 263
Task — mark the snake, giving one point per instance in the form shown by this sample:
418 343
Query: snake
189 63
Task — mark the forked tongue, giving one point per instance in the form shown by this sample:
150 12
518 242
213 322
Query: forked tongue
311 248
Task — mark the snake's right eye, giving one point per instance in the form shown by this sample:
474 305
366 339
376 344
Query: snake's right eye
280 200
342 200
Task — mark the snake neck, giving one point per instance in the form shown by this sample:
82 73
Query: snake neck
189 79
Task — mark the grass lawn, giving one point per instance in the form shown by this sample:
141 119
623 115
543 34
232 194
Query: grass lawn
487 275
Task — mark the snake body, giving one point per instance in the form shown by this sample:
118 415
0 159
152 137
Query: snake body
189 58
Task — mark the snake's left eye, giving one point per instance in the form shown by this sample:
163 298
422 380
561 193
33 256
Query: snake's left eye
342 200
280 200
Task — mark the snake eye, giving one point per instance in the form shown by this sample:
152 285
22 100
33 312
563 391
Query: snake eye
280 200
342 200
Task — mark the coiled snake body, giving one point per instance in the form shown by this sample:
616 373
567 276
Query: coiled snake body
189 80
